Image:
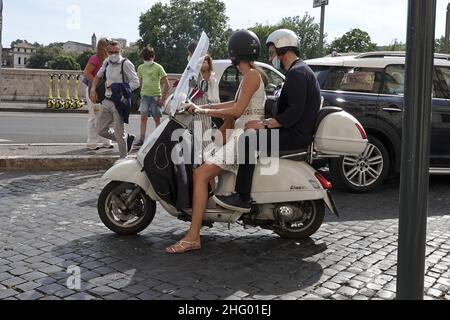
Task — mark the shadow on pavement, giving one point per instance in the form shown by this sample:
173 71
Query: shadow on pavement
383 203
254 265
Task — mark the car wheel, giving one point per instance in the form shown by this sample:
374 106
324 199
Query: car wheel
365 172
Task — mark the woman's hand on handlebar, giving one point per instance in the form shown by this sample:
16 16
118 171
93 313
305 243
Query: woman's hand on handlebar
192 108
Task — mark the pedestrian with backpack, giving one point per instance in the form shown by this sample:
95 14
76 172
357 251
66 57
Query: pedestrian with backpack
118 72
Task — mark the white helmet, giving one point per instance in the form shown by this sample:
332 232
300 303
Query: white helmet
283 38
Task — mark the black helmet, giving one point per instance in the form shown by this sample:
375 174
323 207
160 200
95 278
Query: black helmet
244 45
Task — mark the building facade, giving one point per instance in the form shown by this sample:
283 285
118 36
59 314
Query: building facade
21 54
76 47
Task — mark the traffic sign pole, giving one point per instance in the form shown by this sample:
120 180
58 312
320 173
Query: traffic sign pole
414 184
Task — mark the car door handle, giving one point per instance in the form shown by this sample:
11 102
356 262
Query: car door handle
392 109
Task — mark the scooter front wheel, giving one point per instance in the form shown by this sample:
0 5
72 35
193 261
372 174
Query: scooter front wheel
125 208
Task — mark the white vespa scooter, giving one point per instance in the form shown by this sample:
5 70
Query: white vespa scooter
291 202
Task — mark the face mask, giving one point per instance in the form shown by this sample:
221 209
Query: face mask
189 58
114 58
148 62
276 62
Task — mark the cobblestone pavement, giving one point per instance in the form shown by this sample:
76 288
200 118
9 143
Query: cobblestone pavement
49 225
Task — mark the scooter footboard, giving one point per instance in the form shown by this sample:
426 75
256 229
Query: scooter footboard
130 170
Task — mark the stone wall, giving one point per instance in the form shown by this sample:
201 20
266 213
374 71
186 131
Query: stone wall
33 84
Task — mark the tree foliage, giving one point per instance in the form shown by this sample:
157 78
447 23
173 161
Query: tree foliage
356 40
64 62
134 54
306 29
42 57
439 46
83 58
53 57
15 42
170 28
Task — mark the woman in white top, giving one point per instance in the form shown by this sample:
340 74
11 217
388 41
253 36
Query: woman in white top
207 92
244 48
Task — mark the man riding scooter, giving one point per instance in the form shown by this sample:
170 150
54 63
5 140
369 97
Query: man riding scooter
298 106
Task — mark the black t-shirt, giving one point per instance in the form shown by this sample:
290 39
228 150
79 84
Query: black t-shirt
298 106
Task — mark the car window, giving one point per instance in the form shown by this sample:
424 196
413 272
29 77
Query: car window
394 80
361 80
275 81
231 74
329 77
229 83
349 79
441 83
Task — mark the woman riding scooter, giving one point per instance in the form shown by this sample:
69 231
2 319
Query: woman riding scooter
244 48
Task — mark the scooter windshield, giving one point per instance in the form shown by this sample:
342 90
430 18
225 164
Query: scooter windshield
179 97
190 73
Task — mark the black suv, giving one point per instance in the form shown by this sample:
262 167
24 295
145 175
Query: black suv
370 86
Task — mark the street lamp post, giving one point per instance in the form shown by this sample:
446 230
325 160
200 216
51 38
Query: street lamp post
1 46
447 30
321 4
414 185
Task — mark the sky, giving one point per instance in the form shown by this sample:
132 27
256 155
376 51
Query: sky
46 21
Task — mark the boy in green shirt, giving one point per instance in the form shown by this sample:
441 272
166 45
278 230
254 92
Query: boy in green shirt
151 74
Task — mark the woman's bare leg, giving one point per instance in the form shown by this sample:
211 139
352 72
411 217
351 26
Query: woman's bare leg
202 178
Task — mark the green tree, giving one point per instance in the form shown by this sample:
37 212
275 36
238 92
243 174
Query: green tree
83 58
263 32
308 32
306 29
170 28
209 16
64 62
439 46
356 40
18 41
40 60
396 46
56 45
134 55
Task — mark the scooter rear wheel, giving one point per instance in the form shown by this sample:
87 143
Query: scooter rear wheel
308 220
137 216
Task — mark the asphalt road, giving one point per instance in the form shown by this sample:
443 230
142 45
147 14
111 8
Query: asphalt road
18 128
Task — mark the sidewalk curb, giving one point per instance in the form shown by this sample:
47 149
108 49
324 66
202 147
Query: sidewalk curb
56 163
43 110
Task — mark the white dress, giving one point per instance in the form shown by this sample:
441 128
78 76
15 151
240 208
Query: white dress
226 156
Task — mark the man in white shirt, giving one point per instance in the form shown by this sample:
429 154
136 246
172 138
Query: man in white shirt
109 116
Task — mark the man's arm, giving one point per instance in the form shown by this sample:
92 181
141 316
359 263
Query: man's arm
297 91
96 81
296 99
